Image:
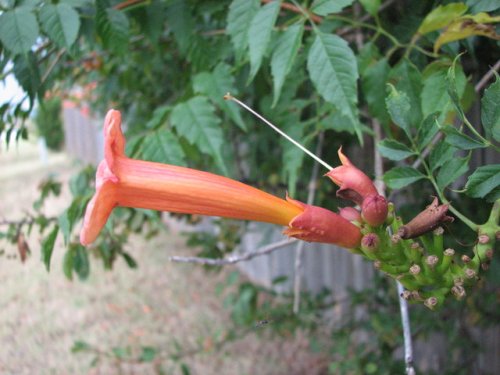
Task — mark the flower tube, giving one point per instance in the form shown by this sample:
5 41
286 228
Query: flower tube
121 181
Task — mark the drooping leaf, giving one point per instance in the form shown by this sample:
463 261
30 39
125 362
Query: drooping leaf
18 29
452 87
451 170
407 78
163 147
427 130
61 23
394 150
181 22
284 56
399 177
441 16
259 34
435 90
399 108
490 110
440 154
214 85
112 26
68 264
326 7
195 120
460 140
373 82
241 13
129 260
48 246
483 181
371 6
81 263
467 26
69 217
333 70
27 73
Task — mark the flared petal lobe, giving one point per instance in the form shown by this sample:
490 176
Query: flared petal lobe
354 184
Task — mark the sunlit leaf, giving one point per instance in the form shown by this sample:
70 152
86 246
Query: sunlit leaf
465 27
441 16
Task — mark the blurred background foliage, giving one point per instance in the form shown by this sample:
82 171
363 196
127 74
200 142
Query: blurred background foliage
312 67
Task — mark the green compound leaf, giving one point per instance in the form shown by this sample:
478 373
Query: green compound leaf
440 154
48 246
394 150
284 56
398 105
490 110
259 35
399 177
373 83
18 29
195 120
483 181
214 85
61 23
112 26
81 263
333 70
427 130
163 147
460 140
241 13
451 170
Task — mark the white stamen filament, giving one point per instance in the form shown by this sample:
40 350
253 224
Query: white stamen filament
228 96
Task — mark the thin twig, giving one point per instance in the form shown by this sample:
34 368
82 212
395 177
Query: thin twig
232 259
483 81
405 320
300 246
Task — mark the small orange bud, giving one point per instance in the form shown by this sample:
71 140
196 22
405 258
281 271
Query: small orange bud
374 209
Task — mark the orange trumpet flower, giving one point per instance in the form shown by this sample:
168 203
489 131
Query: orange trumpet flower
121 181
